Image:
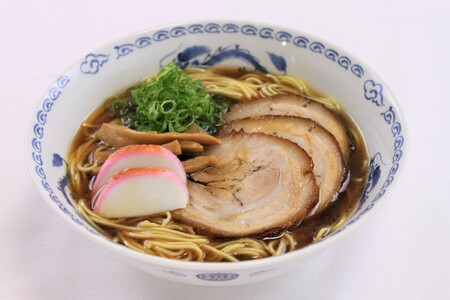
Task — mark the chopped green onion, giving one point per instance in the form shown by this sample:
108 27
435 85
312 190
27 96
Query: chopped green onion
171 101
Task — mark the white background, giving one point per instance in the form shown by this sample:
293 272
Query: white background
401 253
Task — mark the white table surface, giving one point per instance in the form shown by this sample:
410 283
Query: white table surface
401 253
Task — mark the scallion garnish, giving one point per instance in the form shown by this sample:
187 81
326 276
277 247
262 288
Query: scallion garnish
171 101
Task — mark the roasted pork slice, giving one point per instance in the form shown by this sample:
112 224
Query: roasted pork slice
329 165
293 105
261 184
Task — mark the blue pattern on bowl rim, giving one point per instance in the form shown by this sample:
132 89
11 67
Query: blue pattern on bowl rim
202 55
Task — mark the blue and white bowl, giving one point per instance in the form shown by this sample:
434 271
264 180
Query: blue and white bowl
117 65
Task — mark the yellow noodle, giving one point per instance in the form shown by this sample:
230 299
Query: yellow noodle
100 218
322 233
130 243
251 253
108 223
178 246
182 228
167 219
238 248
276 247
289 241
325 231
233 94
339 224
162 236
232 248
254 242
273 78
252 80
147 224
220 253
81 209
170 253
178 233
293 82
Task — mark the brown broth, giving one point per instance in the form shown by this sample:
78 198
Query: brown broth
306 231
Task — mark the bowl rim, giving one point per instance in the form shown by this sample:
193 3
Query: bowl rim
226 266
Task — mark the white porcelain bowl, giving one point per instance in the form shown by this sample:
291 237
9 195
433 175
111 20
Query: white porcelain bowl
111 68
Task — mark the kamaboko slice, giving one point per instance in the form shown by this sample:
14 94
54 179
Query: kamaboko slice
139 192
138 156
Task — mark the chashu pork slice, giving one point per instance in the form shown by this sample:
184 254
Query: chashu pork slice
294 105
261 184
329 166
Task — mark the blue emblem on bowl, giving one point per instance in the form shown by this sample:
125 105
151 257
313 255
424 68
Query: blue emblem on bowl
217 276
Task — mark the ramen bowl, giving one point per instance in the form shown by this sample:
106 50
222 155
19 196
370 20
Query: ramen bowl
120 64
